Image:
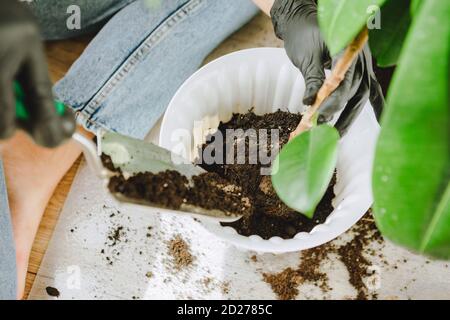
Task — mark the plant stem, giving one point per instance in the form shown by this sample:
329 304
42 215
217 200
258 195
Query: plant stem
333 81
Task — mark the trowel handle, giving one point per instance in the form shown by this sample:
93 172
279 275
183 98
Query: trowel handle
21 110
91 154
88 146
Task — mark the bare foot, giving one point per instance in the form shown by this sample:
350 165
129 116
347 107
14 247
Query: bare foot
32 173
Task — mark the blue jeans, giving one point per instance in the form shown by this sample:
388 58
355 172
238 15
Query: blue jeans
127 75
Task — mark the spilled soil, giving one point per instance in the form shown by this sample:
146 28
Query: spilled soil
354 254
180 252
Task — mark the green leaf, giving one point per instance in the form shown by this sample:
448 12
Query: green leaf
386 43
412 163
415 6
341 20
304 167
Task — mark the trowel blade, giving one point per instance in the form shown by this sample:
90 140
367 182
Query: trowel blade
133 156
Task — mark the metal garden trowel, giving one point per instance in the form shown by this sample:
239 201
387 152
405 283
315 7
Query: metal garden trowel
133 156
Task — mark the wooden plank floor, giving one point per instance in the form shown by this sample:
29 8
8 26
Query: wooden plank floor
61 55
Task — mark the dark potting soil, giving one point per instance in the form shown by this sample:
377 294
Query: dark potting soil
356 255
268 216
235 188
170 189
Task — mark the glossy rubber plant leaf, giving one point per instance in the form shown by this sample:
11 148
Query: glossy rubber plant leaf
386 43
303 169
415 6
412 163
341 20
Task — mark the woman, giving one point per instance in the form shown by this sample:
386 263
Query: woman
123 82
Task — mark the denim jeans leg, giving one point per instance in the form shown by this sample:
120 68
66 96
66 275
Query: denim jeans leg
8 276
127 75
62 19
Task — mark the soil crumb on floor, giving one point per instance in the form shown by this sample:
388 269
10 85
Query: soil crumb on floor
115 235
285 284
53 292
354 254
225 287
180 252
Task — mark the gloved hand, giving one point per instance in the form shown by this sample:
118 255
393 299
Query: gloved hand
295 22
22 59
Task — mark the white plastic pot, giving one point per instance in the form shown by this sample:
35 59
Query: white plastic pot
265 79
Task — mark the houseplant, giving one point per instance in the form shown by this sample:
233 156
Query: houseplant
411 171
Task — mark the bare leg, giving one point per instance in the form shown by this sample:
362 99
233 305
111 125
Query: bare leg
31 174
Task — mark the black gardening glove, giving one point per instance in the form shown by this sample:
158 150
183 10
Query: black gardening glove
22 60
295 22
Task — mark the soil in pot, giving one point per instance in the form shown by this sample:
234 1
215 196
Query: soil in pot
232 187
268 216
